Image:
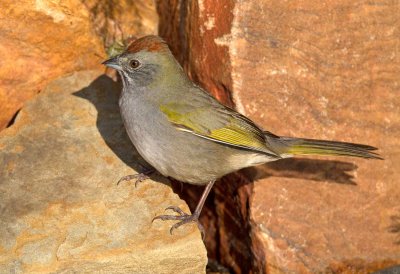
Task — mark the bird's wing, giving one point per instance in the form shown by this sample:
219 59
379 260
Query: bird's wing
205 117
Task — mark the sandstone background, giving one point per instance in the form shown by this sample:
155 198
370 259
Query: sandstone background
316 69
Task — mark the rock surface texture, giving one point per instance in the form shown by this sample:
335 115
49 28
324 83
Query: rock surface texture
60 209
326 70
118 20
40 41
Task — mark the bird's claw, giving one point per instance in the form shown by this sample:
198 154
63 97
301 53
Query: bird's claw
183 218
177 210
140 177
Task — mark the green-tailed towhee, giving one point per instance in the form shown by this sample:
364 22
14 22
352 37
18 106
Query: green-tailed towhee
186 134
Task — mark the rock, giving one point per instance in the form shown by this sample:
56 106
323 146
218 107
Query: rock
326 71
40 41
116 21
61 211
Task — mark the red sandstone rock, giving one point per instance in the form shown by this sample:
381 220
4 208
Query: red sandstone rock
308 69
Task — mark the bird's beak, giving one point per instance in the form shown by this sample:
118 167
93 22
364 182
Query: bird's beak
113 63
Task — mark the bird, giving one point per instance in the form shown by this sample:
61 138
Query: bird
184 133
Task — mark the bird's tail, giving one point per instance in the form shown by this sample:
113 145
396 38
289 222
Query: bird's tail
288 146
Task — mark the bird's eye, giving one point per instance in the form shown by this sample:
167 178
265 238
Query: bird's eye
134 63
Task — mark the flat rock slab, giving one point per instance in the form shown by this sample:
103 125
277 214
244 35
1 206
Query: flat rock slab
60 208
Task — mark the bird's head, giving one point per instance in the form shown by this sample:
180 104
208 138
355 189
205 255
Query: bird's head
146 61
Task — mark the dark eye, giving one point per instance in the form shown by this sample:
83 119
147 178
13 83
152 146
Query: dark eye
134 63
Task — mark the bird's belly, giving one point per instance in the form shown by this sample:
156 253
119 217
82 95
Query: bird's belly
192 159
185 158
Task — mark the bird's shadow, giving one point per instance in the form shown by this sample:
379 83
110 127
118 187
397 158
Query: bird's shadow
104 93
329 171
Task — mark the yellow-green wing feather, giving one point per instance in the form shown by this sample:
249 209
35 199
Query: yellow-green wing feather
219 124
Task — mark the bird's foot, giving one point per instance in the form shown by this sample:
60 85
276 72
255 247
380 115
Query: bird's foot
140 177
183 217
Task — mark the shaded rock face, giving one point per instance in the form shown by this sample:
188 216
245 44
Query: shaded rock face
116 20
191 29
40 41
60 208
310 69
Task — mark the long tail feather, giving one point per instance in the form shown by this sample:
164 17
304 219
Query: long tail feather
299 146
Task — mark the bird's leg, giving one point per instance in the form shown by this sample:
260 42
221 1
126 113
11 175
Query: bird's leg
185 218
140 177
